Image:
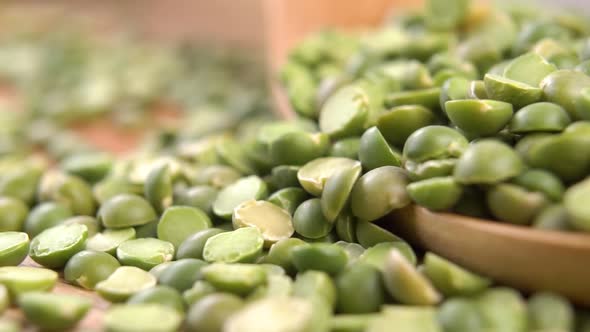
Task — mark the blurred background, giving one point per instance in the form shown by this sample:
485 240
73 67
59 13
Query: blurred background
66 62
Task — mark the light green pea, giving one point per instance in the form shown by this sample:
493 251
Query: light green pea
45 216
280 254
309 220
315 286
428 98
192 246
145 253
575 206
345 226
565 155
568 88
374 151
510 91
199 290
337 191
124 282
405 284
503 309
437 194
211 312
360 289
326 257
460 315
239 279
541 181
434 142
163 295
54 312
345 112
430 169
548 311
22 279
379 192
126 210
87 268
14 247
405 318
529 68
242 245
13 213
179 222
513 204
109 240
539 117
378 254
346 148
230 197
200 197
154 317
298 148
158 187
487 162
232 154
481 117
55 246
451 279
288 198
283 314
553 217
91 167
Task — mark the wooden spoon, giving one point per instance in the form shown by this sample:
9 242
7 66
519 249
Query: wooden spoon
521 257
524 258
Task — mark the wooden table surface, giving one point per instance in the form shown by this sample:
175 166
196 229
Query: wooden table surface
91 322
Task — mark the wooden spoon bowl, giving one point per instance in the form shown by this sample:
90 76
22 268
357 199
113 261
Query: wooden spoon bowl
525 258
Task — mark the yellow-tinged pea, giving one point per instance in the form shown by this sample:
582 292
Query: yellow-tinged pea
313 175
405 284
274 223
22 279
124 282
